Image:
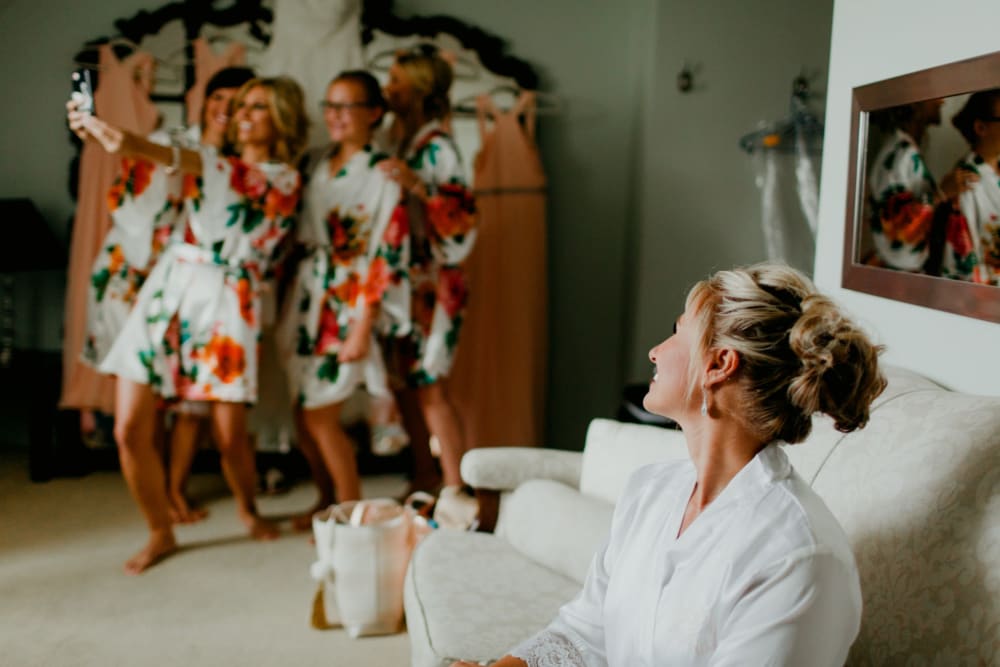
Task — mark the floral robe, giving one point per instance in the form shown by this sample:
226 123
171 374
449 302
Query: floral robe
442 235
194 331
357 239
901 193
145 205
973 248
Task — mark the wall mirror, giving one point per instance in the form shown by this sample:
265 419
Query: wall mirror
903 239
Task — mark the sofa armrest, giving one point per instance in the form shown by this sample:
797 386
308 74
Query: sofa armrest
506 468
492 470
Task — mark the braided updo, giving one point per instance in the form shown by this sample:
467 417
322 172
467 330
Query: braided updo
799 354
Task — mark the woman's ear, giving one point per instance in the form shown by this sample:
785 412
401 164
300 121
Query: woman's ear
722 365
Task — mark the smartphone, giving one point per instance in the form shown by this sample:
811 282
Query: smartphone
83 89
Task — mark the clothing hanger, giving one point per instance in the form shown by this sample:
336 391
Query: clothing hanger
461 67
118 44
801 128
546 104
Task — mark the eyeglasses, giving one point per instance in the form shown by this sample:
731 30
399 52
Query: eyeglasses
340 106
258 106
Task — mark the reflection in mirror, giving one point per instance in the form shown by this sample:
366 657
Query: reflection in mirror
923 210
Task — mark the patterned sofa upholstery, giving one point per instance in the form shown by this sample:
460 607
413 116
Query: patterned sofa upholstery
918 492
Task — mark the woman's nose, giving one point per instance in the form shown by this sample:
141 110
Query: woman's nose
652 354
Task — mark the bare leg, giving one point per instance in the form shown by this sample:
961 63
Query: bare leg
238 465
317 468
142 468
323 424
183 447
442 420
426 476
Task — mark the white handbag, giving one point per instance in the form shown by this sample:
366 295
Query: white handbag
363 549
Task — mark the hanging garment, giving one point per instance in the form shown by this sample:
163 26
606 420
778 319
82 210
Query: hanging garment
206 64
442 234
499 377
358 243
194 331
122 99
972 243
312 41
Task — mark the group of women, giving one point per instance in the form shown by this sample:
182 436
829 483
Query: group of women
949 228
362 242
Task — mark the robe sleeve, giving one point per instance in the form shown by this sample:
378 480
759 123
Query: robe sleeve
798 611
449 210
902 197
144 205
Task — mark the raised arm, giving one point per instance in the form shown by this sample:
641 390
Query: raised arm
122 142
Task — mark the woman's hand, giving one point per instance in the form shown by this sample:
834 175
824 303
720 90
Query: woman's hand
355 346
957 181
84 124
400 172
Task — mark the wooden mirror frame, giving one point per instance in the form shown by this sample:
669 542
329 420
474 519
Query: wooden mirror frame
954 296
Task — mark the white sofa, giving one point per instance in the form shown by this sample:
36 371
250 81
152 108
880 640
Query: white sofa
918 492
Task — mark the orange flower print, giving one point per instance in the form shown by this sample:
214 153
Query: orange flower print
345 236
141 176
328 336
191 187
398 228
451 290
247 180
117 259
347 291
906 219
377 280
451 212
244 292
225 358
280 205
115 195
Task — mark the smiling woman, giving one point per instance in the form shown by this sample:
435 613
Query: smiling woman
731 557
194 329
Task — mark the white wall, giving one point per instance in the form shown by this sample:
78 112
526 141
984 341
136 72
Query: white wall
699 207
956 351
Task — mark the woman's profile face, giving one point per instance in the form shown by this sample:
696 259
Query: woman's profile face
399 91
671 362
347 113
252 116
216 115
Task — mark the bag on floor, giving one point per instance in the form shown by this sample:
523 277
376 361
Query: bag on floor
363 549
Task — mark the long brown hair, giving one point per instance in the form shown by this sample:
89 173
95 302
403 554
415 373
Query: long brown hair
286 104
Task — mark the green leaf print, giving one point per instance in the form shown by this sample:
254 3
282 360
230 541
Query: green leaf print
304 346
235 212
376 158
100 282
329 369
254 216
420 378
451 338
146 359
304 303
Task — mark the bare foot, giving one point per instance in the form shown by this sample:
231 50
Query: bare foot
261 529
182 512
160 545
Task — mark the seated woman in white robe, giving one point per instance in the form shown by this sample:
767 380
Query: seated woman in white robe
194 330
730 558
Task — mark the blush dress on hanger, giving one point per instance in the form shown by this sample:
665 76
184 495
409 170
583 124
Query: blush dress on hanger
499 376
122 99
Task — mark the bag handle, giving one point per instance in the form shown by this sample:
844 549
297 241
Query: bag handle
319 620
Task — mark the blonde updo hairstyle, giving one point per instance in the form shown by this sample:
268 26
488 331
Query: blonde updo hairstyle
286 104
431 77
798 353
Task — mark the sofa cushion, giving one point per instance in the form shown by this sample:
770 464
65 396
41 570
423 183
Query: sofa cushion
473 596
918 494
555 525
614 450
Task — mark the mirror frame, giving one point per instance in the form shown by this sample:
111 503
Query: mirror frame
947 294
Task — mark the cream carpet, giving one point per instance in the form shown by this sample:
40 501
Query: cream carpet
222 600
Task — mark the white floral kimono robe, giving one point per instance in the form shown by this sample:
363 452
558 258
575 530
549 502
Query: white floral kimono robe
973 249
357 239
901 194
145 205
764 576
442 235
194 331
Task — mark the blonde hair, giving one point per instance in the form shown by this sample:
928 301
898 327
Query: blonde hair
431 77
286 105
799 354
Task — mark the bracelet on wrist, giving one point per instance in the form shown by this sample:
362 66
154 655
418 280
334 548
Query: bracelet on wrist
175 161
